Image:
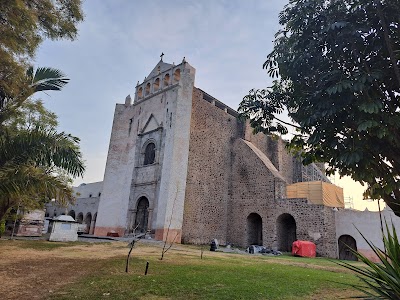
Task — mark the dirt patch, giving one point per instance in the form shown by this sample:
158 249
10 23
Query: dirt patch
33 274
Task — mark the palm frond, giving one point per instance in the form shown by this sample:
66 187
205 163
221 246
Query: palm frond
42 148
48 79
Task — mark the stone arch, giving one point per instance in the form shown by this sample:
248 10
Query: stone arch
94 221
156 84
346 243
72 213
79 219
140 92
142 215
166 80
254 229
147 89
177 75
286 232
149 153
88 221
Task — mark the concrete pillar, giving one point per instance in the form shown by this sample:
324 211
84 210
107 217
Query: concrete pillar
149 219
92 223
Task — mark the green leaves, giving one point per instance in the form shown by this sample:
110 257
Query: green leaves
338 65
382 279
46 79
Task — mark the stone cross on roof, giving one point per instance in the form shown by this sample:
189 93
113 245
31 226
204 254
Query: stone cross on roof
162 54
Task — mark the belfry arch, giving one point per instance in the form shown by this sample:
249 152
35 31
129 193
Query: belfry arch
286 232
254 229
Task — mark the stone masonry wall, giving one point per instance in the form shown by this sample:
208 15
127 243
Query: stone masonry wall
254 190
275 150
208 190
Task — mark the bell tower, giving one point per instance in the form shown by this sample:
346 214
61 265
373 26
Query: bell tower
146 171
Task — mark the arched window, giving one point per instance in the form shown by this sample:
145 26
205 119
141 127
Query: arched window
177 75
149 154
147 91
140 92
166 80
156 84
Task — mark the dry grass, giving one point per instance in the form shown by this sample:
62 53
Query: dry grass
40 270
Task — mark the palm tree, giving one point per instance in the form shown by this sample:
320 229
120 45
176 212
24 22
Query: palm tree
36 163
43 79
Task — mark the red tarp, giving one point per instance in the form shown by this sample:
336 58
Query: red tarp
304 248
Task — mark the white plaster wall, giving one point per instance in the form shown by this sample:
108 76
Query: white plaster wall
176 152
116 184
86 189
367 222
58 234
125 179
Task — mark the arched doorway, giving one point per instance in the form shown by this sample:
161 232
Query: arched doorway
254 229
142 215
79 219
72 213
345 243
88 221
286 232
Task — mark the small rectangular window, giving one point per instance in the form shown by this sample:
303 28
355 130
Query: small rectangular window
65 226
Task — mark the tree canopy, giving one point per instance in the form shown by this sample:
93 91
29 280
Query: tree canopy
24 24
36 161
337 65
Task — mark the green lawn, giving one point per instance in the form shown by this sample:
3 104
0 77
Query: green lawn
186 276
97 271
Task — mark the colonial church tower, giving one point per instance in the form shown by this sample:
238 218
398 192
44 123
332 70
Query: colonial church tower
146 170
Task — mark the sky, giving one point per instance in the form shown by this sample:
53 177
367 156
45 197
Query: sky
120 41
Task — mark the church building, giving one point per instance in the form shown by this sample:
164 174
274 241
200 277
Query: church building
181 166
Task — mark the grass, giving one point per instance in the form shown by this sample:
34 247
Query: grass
41 244
97 271
187 277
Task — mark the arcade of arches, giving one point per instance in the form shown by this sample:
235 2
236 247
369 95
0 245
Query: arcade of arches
89 220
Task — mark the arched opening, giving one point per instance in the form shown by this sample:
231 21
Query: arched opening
156 84
286 232
149 154
254 229
347 243
88 221
72 213
147 90
177 75
166 80
140 92
142 215
79 219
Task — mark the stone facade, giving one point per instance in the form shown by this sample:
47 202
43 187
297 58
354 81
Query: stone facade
182 167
